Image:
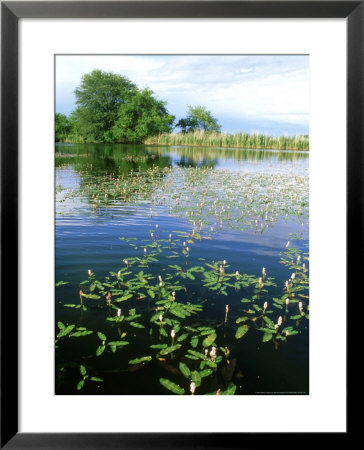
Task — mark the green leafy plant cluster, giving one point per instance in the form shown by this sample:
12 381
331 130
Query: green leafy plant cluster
195 352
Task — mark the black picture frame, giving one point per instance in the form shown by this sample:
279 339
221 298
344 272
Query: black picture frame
11 12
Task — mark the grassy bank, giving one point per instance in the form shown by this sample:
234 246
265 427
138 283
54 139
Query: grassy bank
70 139
239 140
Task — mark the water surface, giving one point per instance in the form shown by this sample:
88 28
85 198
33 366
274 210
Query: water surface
241 206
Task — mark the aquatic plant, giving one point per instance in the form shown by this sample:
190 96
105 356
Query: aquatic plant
162 296
170 313
239 140
85 377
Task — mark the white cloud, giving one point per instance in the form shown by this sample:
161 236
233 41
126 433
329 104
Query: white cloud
254 87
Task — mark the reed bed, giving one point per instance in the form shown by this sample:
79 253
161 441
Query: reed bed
238 140
72 139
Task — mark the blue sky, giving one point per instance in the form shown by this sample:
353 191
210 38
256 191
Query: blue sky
265 93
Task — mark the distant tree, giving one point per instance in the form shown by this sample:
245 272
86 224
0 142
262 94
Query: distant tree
74 123
198 118
184 124
140 117
62 127
99 97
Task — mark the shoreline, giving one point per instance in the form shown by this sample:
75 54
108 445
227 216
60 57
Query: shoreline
227 147
268 149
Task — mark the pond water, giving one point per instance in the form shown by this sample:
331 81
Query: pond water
180 265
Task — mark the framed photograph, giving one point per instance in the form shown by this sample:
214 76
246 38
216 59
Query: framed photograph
181 194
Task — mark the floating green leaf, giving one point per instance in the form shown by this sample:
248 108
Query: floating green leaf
206 372
211 364
182 337
132 316
229 391
170 349
267 330
240 332
207 332
136 325
269 322
163 332
242 319
81 333
101 336
175 388
92 296
209 340
196 354
118 343
65 331
140 360
100 350
123 298
184 369
196 378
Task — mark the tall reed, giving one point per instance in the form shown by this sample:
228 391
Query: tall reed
238 140
72 139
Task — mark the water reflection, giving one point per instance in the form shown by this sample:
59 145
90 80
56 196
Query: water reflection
108 158
113 201
120 158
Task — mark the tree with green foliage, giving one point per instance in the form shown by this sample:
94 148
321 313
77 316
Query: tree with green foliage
67 129
140 117
62 127
99 98
74 124
198 118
